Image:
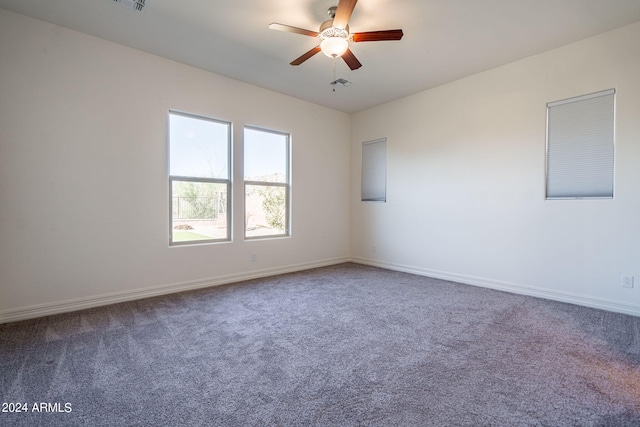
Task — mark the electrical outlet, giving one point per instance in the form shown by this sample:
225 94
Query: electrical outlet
627 281
374 249
254 256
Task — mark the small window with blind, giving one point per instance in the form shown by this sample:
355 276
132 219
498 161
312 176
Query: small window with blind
374 171
580 147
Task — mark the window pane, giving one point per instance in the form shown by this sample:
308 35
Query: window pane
266 210
199 168
199 147
198 211
265 156
266 172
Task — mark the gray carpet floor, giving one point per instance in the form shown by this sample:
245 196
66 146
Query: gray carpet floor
347 345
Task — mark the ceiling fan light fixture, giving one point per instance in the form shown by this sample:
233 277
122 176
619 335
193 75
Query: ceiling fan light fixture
334 35
334 46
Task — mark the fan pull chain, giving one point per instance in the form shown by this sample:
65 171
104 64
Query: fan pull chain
334 73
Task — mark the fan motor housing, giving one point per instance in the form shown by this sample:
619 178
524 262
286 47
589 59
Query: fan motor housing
328 30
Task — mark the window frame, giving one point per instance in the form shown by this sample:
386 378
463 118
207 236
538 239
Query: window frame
286 185
179 178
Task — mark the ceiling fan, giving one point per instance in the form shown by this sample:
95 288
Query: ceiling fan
335 37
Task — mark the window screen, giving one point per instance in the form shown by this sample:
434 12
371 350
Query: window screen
580 146
374 171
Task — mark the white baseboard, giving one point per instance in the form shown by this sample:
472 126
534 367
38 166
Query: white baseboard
40 310
583 300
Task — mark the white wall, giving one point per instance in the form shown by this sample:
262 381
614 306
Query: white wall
466 170
83 175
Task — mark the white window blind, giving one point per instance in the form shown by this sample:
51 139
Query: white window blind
580 146
374 171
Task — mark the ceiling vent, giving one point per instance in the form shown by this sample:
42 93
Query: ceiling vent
131 4
341 82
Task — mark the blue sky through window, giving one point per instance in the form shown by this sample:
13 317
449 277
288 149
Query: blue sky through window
265 155
199 147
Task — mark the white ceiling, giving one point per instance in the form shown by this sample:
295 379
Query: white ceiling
444 40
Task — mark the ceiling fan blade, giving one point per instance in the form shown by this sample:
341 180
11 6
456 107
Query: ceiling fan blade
351 60
290 29
306 56
376 36
343 13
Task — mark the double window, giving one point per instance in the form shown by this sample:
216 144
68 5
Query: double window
200 181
